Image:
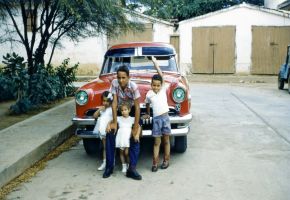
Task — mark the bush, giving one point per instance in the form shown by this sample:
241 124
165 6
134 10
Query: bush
44 86
14 77
50 84
7 89
67 75
21 106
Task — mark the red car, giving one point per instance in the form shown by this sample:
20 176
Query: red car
137 57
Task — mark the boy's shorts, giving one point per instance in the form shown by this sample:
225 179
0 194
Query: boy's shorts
161 125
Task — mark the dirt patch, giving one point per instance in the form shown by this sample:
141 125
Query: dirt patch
7 119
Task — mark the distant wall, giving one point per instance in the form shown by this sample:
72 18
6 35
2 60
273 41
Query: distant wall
272 3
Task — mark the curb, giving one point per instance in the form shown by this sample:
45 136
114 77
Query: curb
30 142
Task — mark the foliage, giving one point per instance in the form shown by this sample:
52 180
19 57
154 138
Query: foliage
47 84
6 91
14 76
67 76
185 9
21 106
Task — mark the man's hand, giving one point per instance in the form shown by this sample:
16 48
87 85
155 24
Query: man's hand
136 132
111 126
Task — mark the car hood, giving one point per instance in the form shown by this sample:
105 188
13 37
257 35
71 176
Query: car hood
143 81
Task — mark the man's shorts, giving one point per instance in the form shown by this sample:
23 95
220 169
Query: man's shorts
161 125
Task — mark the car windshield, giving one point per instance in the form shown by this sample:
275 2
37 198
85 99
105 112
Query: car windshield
139 63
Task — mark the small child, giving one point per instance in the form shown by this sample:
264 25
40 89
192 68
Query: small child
125 123
161 123
104 116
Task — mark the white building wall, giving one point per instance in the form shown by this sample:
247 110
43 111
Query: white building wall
162 32
243 18
273 4
88 52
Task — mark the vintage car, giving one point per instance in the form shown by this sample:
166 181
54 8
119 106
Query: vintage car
284 73
137 57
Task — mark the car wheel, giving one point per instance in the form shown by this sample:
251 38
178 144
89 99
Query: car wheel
289 83
280 82
180 145
92 146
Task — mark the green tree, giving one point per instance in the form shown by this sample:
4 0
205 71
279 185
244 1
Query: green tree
185 9
52 20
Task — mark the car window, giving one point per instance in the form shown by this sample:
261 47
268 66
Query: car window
166 63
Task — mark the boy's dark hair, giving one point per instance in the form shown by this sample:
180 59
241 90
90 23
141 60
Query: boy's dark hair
123 68
157 77
108 96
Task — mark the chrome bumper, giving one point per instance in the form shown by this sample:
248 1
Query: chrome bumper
173 120
183 126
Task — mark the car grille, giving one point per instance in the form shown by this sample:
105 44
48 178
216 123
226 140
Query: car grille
146 124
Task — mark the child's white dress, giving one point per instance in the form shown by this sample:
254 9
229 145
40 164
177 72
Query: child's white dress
105 117
124 131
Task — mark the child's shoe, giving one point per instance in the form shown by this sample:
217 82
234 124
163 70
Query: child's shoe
154 168
164 165
103 166
124 168
155 164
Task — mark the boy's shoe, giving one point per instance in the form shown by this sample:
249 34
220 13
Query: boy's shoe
103 166
107 173
132 173
164 165
154 168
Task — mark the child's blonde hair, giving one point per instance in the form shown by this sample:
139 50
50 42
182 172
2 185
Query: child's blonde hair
126 104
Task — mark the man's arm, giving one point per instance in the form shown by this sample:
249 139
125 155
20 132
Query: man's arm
136 127
114 112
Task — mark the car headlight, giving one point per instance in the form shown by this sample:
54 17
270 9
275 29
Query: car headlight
178 95
82 97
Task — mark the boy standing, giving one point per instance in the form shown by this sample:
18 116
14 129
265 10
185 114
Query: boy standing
161 123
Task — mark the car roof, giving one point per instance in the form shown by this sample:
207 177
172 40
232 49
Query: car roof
141 44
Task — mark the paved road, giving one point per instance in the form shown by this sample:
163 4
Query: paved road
238 148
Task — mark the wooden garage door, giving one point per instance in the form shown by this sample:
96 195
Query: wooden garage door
174 41
269 48
146 35
213 50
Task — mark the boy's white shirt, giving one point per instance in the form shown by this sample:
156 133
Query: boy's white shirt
158 101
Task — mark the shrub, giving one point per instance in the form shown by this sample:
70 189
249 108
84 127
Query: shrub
7 89
44 86
14 77
21 106
67 75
